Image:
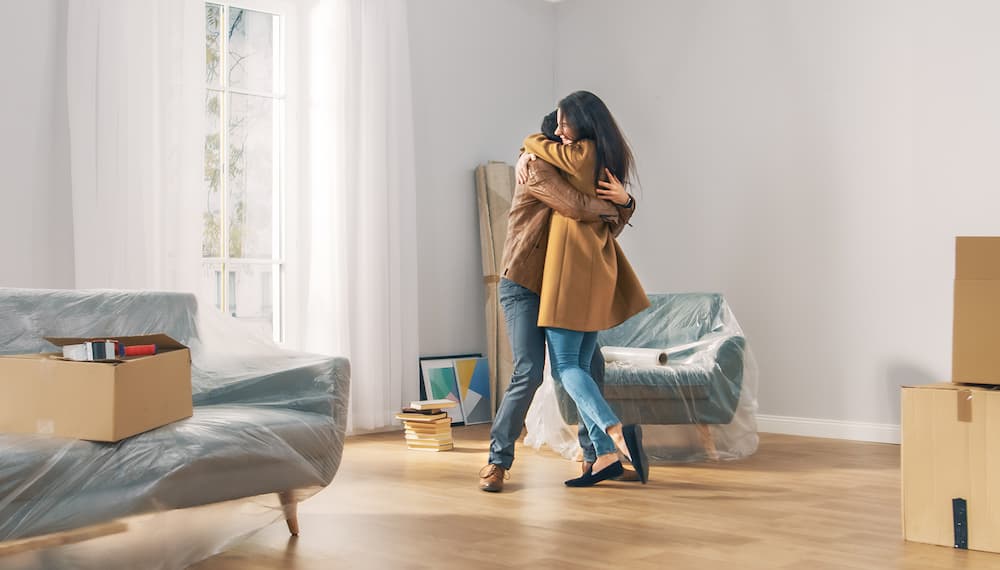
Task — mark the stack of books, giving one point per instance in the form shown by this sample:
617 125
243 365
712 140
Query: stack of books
427 426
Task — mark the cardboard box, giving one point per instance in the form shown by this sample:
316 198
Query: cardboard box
976 334
99 401
950 450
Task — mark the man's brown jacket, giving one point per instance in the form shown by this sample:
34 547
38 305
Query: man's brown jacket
530 215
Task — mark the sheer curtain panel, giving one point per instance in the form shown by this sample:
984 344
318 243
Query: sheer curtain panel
356 236
135 100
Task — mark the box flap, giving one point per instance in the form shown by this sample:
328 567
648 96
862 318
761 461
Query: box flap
31 355
161 340
938 386
952 386
977 258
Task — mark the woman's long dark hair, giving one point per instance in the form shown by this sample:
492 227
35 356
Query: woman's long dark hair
591 119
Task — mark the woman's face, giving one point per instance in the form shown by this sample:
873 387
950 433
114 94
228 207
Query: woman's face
563 128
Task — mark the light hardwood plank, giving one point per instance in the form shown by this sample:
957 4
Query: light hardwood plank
9 548
798 503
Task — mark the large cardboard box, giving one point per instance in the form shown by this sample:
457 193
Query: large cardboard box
976 335
99 401
951 465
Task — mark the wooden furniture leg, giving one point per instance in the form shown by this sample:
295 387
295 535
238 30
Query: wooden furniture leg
290 507
708 441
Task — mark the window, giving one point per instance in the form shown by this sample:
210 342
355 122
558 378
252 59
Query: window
242 247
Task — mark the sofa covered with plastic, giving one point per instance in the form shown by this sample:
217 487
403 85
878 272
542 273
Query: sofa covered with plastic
706 391
267 432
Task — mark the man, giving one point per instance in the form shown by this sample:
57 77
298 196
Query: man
523 262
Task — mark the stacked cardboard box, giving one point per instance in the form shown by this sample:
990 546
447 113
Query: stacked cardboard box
951 444
427 427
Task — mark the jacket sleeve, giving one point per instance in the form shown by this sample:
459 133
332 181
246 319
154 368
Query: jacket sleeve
570 158
624 215
545 184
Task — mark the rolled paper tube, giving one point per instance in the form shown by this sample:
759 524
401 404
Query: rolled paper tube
637 356
138 350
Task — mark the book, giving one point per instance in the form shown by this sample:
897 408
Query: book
419 417
433 421
428 428
431 412
423 431
440 438
446 448
439 404
430 446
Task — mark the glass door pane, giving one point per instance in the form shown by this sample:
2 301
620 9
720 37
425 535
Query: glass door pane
250 207
252 65
252 297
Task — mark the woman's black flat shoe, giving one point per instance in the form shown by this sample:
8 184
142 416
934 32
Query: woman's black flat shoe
590 478
633 440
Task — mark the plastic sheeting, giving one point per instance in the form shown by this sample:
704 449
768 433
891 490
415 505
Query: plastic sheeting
266 421
701 405
628 356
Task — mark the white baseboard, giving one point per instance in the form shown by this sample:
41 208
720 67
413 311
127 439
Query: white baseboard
833 429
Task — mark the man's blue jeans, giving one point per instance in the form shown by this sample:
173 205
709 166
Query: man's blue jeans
527 343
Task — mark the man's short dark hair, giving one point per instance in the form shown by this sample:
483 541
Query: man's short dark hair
549 125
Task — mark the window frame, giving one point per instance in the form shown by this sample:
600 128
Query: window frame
283 149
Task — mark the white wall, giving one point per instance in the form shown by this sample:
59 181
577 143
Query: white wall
482 80
35 221
813 161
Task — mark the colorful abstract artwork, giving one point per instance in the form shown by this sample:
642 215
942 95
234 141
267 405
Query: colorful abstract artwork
440 381
473 378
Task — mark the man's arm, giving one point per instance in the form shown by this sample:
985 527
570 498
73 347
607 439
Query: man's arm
545 184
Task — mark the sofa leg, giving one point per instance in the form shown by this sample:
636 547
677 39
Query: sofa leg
290 507
708 441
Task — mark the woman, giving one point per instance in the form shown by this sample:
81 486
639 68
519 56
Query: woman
587 285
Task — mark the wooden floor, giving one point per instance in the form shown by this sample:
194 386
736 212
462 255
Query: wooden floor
798 503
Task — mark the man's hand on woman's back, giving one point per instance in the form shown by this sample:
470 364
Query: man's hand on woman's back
521 170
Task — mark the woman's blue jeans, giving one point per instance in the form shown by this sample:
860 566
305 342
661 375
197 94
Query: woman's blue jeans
571 353
527 343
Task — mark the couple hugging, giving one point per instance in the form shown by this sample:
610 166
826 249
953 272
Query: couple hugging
564 279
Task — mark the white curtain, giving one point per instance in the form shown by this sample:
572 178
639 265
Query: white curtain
136 109
135 84
356 236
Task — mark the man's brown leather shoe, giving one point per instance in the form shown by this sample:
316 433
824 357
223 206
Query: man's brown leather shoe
627 474
491 478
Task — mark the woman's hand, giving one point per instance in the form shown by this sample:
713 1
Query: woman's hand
612 189
521 171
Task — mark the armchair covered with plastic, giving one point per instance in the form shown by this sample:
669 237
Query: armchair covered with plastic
706 390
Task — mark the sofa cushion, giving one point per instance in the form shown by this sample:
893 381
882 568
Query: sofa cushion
674 382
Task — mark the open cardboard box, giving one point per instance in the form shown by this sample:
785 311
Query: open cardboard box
99 401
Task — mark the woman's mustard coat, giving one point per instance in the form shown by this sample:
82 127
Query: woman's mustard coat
588 284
